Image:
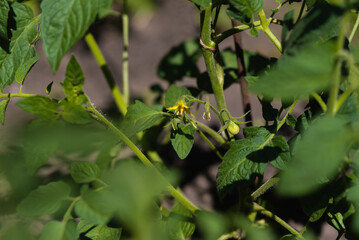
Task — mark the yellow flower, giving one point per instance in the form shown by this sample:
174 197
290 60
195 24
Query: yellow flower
180 107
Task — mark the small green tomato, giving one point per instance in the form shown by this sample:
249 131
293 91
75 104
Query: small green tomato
233 128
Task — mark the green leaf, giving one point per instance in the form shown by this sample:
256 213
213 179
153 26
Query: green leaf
21 47
311 3
295 76
44 200
84 172
318 26
63 23
174 94
3 106
202 3
39 143
24 69
236 165
55 230
140 117
178 224
41 106
102 232
318 154
74 113
244 10
180 61
95 207
4 12
182 139
105 8
280 162
73 83
83 226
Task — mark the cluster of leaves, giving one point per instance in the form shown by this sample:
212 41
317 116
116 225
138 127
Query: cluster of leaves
95 194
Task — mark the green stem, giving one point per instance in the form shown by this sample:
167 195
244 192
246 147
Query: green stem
355 27
91 42
176 194
267 31
67 215
262 189
125 56
11 95
334 88
221 36
269 214
209 58
210 144
211 132
320 101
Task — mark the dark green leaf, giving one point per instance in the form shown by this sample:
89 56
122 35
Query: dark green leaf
295 76
244 10
318 154
288 24
21 47
55 230
236 166
3 106
60 30
180 61
41 106
96 207
102 232
74 113
291 121
283 153
73 83
84 172
174 94
4 12
311 3
317 27
105 8
202 3
182 139
24 69
44 200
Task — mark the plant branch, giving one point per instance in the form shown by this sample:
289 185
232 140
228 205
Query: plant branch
265 186
210 144
175 193
125 55
334 88
91 42
269 214
211 132
355 28
11 95
320 101
67 215
265 28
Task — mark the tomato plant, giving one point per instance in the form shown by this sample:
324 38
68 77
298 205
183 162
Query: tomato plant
64 175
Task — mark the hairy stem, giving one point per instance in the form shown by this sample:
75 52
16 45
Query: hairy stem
175 193
67 215
119 100
271 215
211 132
262 189
210 144
11 95
125 56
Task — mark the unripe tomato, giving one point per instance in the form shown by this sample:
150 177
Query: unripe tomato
233 128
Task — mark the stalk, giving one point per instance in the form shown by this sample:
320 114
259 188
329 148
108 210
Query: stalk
175 193
125 40
119 99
